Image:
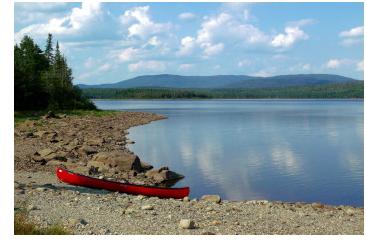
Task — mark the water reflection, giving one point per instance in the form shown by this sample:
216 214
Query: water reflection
277 150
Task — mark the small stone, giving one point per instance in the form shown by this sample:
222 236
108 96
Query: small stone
186 199
211 198
31 207
216 222
140 197
147 207
186 224
74 222
41 189
317 205
101 177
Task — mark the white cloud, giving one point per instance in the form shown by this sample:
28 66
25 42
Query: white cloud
73 23
262 73
287 39
186 16
354 32
185 66
154 41
334 63
144 27
128 54
149 65
352 37
306 67
187 46
212 49
360 66
104 68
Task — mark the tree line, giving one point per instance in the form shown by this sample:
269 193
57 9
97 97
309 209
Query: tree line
43 78
342 90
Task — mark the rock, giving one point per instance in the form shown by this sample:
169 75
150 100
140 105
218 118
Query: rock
74 222
130 142
317 205
186 199
49 115
141 197
211 198
147 207
31 207
28 134
145 166
186 224
41 189
163 175
40 133
43 153
216 222
95 141
88 150
116 160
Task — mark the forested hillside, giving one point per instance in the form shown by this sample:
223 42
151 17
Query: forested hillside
43 79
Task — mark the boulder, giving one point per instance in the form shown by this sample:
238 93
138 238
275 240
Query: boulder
40 133
43 153
116 160
88 150
211 198
95 141
145 166
160 175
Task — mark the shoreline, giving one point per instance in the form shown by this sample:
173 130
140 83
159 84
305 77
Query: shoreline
50 202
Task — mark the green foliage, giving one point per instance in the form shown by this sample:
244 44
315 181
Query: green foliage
43 80
341 90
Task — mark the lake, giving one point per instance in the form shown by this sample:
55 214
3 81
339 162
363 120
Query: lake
285 150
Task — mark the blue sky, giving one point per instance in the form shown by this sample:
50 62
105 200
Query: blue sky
110 42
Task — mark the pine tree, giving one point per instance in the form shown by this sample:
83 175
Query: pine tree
49 49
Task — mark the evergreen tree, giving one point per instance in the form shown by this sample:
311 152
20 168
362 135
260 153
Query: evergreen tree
44 79
49 49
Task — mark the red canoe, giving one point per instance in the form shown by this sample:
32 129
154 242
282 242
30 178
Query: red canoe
82 180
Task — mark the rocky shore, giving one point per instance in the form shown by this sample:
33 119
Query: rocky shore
96 145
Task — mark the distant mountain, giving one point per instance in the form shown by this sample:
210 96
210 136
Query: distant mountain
224 81
290 80
175 81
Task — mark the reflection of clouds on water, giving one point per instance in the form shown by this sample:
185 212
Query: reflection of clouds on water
354 163
285 159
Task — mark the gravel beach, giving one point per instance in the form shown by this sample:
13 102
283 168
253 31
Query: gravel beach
75 140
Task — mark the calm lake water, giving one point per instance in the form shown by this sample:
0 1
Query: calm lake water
287 150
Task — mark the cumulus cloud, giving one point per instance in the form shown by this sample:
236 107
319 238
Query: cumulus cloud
128 54
287 39
334 63
212 49
187 16
148 65
354 32
73 23
187 46
352 37
140 23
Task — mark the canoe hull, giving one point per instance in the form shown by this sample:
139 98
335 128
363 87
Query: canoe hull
86 181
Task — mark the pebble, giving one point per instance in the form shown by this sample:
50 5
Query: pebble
186 224
41 189
186 199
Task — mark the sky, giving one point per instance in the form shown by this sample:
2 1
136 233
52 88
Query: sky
110 42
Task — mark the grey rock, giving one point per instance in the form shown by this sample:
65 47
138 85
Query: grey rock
211 198
147 207
186 224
